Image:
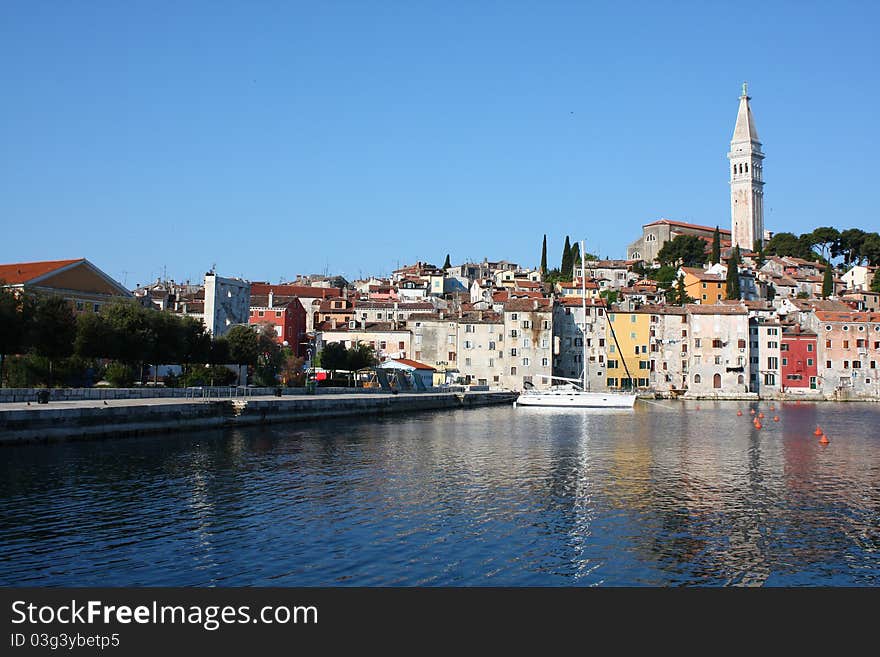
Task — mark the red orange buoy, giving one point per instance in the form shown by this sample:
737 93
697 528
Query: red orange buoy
824 439
758 425
772 407
761 415
739 413
776 418
818 431
752 411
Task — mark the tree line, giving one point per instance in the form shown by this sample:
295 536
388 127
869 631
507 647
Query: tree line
571 258
43 342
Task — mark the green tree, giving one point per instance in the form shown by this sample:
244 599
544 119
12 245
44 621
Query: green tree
789 244
544 257
268 357
825 239
758 249
678 295
447 264
16 312
53 330
610 296
244 346
849 246
716 246
565 268
875 283
870 249
131 332
828 282
333 357
684 251
771 291
733 291
360 356
94 336
575 257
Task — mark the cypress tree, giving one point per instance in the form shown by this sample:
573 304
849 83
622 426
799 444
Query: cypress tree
758 248
575 257
544 257
565 268
827 282
733 275
447 264
681 292
716 246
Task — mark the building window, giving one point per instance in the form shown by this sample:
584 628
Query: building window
512 371
828 344
467 362
513 352
525 362
770 379
716 344
698 378
697 342
809 347
809 362
828 364
277 313
546 362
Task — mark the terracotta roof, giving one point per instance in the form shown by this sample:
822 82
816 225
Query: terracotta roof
826 316
23 272
296 290
716 309
683 224
703 275
528 305
576 301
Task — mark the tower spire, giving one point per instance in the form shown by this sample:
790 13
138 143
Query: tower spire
746 178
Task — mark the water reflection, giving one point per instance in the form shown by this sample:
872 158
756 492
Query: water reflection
664 494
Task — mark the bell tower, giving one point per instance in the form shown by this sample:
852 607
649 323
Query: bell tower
746 178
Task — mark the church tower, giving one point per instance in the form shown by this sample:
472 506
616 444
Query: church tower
746 179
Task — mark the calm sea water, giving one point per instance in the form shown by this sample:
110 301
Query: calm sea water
667 494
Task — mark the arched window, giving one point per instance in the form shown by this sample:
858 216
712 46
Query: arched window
697 378
716 381
747 167
740 379
734 169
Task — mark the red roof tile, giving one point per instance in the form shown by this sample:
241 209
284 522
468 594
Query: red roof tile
22 272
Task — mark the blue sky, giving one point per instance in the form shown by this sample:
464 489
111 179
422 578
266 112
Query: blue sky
276 138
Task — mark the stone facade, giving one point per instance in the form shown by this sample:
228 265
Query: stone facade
227 303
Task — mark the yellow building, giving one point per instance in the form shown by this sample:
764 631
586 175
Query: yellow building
703 287
629 351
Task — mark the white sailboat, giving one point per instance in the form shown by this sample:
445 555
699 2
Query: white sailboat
575 393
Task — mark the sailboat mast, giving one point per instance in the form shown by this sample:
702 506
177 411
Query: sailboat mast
584 307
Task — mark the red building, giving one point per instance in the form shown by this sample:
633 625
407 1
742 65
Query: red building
798 350
285 313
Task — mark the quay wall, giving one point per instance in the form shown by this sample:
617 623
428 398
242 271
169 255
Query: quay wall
18 395
46 423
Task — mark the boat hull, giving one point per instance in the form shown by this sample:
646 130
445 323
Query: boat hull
569 399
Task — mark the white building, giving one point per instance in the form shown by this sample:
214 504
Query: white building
227 303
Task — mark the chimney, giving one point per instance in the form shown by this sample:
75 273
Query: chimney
271 298
332 323
441 315
535 303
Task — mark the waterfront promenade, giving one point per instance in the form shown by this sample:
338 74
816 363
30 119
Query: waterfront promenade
65 420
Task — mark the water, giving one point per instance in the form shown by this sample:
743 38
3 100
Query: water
667 494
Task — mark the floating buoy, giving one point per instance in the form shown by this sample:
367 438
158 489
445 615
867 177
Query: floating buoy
761 415
757 425
772 407
824 440
776 418
739 413
698 407
752 411
818 431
